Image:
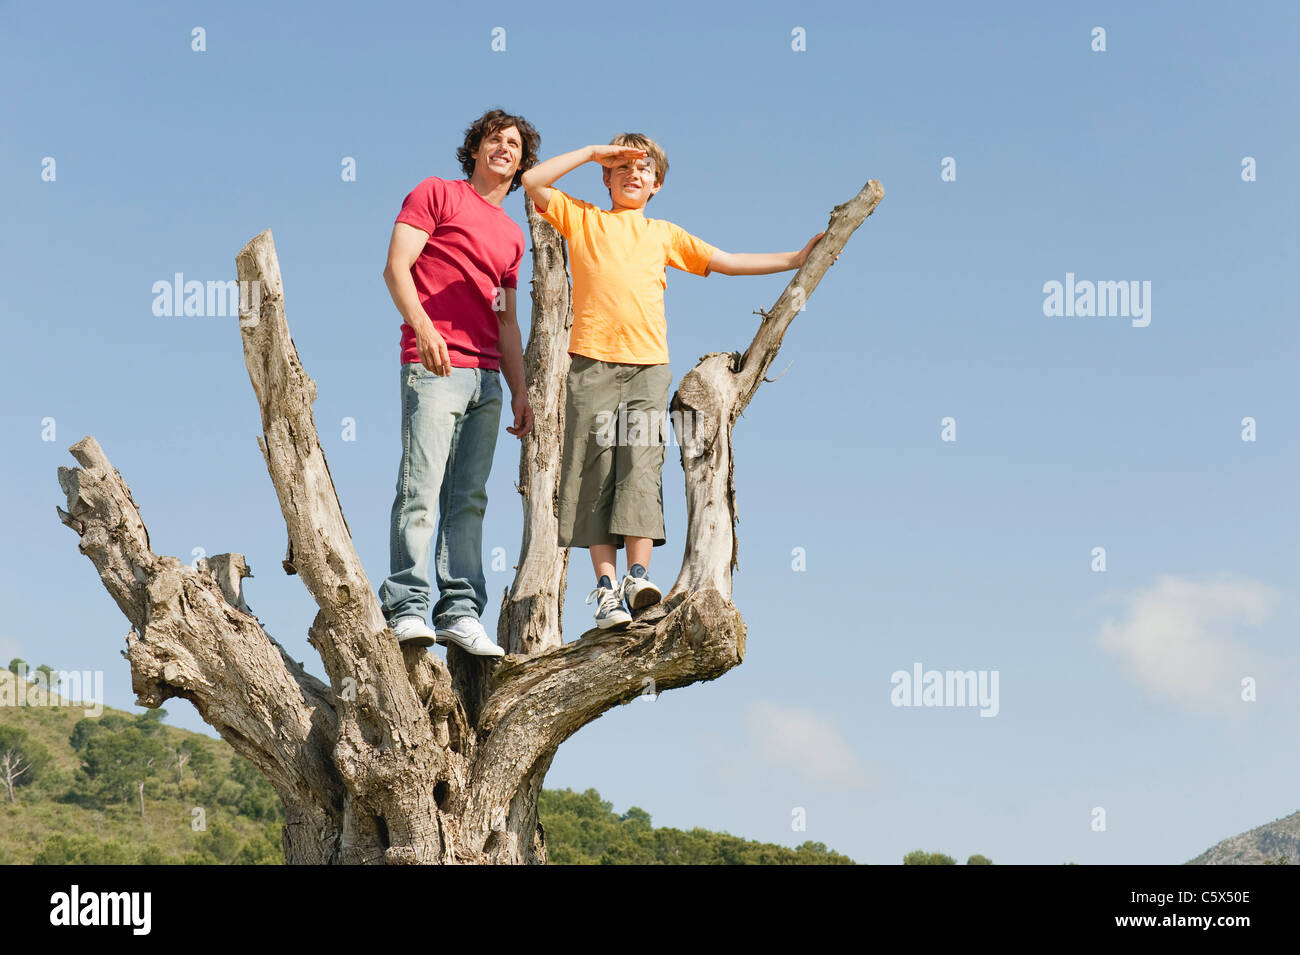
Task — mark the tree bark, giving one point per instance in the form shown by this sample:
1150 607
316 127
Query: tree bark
398 757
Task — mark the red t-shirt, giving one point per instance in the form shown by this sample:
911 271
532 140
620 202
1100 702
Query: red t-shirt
474 248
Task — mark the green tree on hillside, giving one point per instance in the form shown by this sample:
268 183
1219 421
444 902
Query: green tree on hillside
221 845
182 754
83 730
150 722
636 816
120 756
202 761
122 764
82 850
243 789
258 799
583 829
921 857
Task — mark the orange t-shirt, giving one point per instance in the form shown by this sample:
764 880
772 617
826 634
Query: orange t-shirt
618 260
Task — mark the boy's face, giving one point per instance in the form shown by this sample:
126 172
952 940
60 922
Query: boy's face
500 152
631 183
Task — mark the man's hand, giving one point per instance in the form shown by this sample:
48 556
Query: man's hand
433 349
523 412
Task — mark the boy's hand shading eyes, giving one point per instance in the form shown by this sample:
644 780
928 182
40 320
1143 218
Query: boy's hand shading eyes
611 156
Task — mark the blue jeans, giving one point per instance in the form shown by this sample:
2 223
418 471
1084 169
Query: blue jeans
449 431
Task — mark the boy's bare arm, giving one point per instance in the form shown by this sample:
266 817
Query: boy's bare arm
537 181
761 263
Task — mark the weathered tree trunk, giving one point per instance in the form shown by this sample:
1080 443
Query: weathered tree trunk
400 757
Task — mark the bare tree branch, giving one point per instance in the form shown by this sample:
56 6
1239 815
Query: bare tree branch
714 393
190 640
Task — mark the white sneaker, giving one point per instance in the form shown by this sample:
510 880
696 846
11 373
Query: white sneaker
468 634
609 607
413 632
639 593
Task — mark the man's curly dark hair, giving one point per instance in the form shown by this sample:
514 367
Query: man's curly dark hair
489 123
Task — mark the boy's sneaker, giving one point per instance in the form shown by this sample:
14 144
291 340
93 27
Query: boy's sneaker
412 632
468 634
639 593
609 607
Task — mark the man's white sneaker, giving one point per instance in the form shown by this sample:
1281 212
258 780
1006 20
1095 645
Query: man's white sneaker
413 632
639 593
609 607
468 634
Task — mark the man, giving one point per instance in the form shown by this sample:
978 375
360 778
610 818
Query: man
453 267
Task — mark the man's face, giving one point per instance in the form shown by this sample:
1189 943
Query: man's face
632 183
500 152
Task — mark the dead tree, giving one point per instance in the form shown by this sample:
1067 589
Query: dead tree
399 757
12 765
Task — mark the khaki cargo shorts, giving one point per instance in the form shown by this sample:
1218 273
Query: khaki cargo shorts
613 456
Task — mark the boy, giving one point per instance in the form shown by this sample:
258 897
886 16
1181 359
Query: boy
612 494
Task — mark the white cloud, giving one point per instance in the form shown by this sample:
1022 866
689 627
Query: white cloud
1182 638
803 741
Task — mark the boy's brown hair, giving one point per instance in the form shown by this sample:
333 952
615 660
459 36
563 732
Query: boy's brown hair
653 152
489 123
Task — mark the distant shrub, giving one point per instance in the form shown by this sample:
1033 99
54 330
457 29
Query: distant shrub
83 850
152 855
920 857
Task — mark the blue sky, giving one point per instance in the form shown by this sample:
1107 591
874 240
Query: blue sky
1118 689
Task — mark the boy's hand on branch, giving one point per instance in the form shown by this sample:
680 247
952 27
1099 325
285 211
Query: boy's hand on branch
801 256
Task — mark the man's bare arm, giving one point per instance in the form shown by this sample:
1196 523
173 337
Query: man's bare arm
510 344
403 249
